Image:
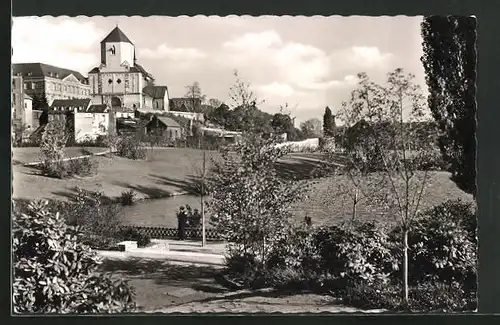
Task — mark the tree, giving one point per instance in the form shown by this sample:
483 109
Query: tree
193 92
40 102
312 128
449 45
384 151
214 102
55 273
251 205
282 123
328 123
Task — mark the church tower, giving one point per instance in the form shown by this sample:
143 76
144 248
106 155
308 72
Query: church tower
117 52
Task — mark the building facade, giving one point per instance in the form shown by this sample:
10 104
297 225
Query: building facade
54 82
119 81
21 105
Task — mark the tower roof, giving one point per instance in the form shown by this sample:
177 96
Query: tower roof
116 35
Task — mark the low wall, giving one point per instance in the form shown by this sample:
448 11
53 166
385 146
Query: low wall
296 146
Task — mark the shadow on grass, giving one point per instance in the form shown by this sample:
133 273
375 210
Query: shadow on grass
150 192
296 168
191 184
199 278
71 195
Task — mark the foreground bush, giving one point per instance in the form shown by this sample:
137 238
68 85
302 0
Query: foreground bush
127 197
131 148
359 262
55 273
74 167
142 240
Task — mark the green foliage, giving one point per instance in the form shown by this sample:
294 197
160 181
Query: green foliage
130 147
143 240
127 197
55 273
251 205
328 123
449 45
444 244
69 168
312 128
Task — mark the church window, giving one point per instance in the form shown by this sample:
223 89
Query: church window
119 81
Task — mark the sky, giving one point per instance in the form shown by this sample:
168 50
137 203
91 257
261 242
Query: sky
306 63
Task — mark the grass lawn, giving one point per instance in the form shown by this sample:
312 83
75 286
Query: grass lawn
166 171
174 170
32 154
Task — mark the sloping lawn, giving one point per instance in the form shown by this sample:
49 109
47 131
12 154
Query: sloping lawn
32 154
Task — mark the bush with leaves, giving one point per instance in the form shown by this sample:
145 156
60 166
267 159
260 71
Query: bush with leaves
251 205
143 240
55 273
444 245
130 147
127 197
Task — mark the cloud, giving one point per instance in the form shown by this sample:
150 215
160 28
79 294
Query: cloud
61 42
163 51
300 66
254 41
277 89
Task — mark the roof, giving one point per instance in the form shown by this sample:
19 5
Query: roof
27 97
117 36
135 68
177 103
70 103
98 108
39 70
168 122
156 92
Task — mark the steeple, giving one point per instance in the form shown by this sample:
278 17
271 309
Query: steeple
116 36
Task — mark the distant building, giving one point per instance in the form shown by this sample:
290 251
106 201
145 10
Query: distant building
185 104
92 122
21 104
120 81
156 97
70 105
54 82
165 127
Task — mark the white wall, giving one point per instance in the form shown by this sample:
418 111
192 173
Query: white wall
28 112
90 125
310 144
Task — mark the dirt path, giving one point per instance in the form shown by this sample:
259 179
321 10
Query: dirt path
166 287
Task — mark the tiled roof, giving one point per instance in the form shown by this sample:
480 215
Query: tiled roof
98 108
67 103
135 68
168 122
40 70
156 92
176 104
27 97
116 35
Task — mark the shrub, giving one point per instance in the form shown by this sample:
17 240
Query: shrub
131 148
55 273
431 161
127 198
143 240
443 245
95 215
358 251
85 166
377 295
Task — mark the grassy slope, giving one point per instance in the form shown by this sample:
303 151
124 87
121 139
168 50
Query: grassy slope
32 154
171 170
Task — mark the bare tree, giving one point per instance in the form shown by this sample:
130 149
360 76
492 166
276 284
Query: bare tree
194 93
394 114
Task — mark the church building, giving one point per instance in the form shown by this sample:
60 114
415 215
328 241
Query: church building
120 81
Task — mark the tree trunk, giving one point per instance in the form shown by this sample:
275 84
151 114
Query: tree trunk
405 266
354 204
203 230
